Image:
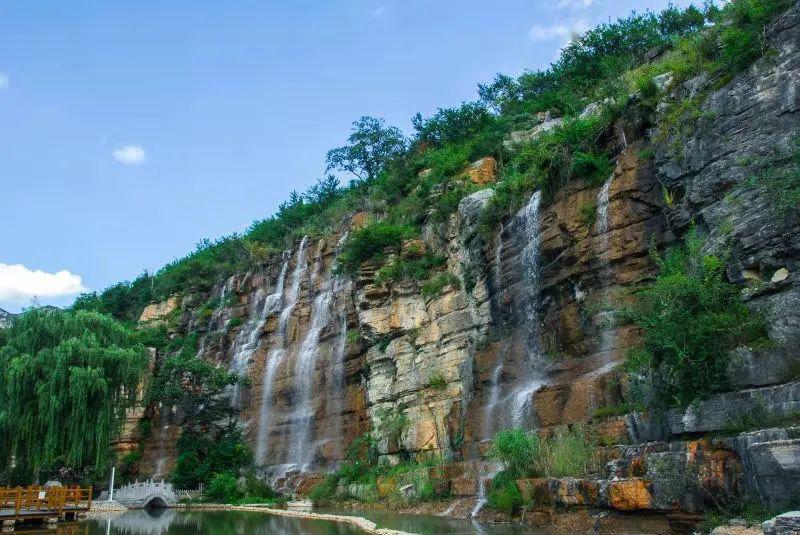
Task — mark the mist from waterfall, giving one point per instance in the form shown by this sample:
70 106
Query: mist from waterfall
278 353
248 339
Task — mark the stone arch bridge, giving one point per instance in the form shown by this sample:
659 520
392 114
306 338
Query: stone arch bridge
146 494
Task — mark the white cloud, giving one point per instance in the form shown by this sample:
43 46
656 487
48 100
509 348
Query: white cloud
5 81
130 155
575 4
19 285
378 12
563 32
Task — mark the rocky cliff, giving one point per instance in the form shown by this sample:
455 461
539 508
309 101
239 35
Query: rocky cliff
525 335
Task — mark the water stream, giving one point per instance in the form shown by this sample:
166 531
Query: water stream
607 332
248 339
301 453
534 365
278 353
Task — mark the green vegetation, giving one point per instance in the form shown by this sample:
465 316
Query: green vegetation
362 478
603 65
372 242
567 453
691 318
210 441
437 381
405 269
780 180
66 379
53 367
434 287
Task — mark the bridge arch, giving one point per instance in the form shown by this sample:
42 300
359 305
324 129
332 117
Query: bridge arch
146 494
156 501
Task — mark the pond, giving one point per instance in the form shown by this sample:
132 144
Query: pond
182 522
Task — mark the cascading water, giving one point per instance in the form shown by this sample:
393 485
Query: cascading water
481 498
301 452
607 333
278 353
303 449
247 341
518 400
336 391
603 197
533 365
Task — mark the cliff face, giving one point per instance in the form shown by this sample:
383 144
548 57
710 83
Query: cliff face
526 337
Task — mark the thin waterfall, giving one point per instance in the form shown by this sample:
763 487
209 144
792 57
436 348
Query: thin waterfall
278 353
516 405
603 197
303 450
247 341
334 403
533 366
497 371
607 333
481 497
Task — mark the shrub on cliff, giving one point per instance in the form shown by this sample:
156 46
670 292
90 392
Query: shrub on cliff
371 242
691 318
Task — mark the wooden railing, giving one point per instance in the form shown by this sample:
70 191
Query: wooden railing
35 501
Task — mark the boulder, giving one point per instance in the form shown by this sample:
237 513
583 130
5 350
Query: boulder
785 524
630 494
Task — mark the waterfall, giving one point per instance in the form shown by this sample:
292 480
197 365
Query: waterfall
301 451
607 332
247 341
533 365
602 207
481 496
278 353
517 403
337 377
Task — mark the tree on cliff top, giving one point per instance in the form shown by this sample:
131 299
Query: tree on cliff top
66 379
369 148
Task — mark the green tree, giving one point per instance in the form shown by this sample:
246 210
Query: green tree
66 379
370 147
210 441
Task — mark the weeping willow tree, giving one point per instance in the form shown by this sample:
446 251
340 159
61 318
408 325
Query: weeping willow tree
66 379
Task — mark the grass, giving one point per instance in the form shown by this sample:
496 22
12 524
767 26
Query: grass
434 287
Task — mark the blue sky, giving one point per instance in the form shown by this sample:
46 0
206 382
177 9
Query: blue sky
129 131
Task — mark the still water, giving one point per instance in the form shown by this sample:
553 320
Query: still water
181 522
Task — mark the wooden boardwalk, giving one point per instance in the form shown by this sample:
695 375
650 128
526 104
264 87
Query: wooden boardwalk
42 504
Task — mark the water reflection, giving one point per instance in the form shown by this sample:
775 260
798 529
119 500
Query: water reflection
437 525
176 522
